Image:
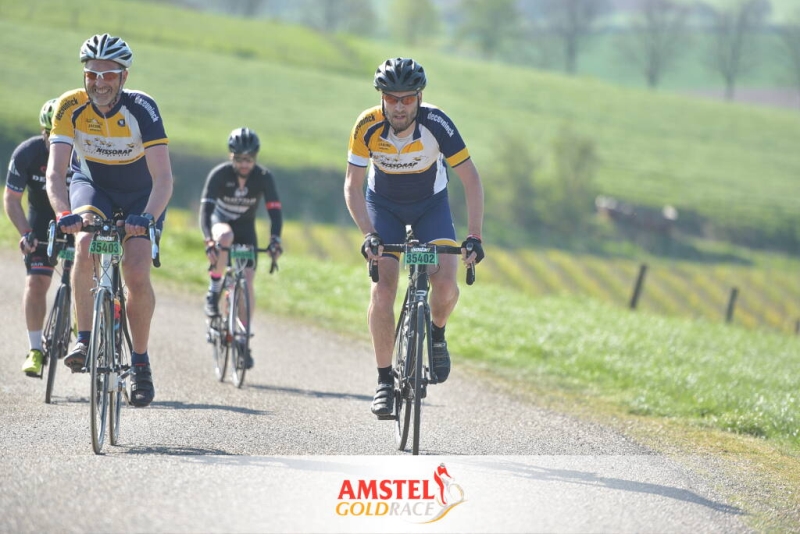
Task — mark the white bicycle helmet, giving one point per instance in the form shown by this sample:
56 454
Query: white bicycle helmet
107 47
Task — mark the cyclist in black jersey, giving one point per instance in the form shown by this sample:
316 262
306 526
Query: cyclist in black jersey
407 145
228 206
26 170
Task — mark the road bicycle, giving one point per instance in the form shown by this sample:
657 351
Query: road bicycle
58 327
110 346
413 346
229 332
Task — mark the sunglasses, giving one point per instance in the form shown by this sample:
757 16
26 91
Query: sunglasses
243 159
392 100
106 75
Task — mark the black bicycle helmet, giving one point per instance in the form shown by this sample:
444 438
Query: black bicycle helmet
107 47
243 141
400 74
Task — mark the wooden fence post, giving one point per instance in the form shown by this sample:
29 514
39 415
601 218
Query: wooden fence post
731 304
637 290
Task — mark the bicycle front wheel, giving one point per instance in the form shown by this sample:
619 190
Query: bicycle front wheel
100 355
118 379
217 336
239 327
56 336
420 347
403 360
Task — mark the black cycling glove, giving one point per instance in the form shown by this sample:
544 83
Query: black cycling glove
477 248
372 239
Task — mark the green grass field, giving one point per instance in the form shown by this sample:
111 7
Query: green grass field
710 158
695 370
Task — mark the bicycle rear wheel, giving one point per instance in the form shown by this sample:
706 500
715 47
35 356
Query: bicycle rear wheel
101 348
118 379
239 327
403 360
56 336
420 347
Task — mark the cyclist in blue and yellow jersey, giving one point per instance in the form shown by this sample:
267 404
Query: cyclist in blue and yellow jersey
26 170
409 144
228 207
122 163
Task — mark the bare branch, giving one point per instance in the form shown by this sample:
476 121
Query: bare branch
656 38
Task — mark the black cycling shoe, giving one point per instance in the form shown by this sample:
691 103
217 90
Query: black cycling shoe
76 360
142 390
441 362
383 401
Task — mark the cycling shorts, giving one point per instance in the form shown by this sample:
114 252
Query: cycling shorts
37 261
84 197
430 219
244 233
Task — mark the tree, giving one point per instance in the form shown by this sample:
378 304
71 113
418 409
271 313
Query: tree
571 22
567 203
513 194
732 50
790 36
656 38
491 23
414 21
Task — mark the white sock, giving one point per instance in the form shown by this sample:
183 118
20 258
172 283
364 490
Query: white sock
35 339
215 285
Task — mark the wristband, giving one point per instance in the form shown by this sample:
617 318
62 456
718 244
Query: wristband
475 236
63 214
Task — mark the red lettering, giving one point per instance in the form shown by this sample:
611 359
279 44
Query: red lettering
413 487
426 494
367 489
386 490
347 489
399 484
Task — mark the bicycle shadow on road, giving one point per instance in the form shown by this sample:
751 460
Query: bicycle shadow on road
180 405
311 393
171 450
588 478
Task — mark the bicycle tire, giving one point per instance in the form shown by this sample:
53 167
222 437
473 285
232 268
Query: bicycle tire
420 345
56 336
217 335
120 372
100 352
402 363
239 330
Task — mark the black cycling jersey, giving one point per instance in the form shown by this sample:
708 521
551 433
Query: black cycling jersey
27 169
227 202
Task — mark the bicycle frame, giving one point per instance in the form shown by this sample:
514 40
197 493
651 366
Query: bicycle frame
413 333
230 333
58 328
110 343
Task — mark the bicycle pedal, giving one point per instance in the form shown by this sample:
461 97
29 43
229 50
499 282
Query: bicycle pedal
389 417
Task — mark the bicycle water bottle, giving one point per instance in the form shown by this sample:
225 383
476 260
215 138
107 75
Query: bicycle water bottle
117 314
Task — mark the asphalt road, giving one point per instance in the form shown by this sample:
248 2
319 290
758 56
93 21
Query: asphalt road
275 455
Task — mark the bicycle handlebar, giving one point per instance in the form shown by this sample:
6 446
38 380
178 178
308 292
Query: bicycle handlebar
110 225
269 250
401 247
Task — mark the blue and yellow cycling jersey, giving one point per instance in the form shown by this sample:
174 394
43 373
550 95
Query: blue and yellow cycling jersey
110 147
410 172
